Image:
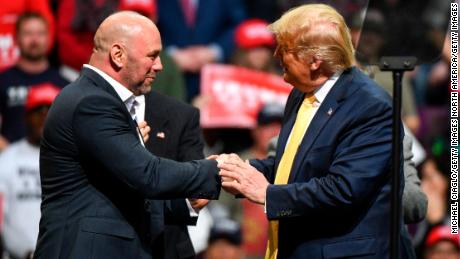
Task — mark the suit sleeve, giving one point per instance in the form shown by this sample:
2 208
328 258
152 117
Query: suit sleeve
103 133
414 200
359 167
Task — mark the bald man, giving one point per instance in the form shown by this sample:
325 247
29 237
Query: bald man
95 171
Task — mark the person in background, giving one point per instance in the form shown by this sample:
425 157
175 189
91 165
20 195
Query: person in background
77 21
224 241
20 177
370 45
32 32
10 12
255 45
435 184
198 32
441 244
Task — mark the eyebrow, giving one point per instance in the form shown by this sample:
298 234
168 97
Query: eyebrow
154 53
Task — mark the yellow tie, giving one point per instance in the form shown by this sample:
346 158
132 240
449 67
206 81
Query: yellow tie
302 121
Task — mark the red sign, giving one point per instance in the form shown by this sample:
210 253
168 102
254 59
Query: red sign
233 95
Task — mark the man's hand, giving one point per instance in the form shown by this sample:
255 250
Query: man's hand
224 157
198 204
186 61
241 177
145 129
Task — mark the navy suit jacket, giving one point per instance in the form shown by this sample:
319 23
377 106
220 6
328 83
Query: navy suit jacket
181 141
337 200
95 176
215 23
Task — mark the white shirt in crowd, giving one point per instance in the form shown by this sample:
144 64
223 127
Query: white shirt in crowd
21 197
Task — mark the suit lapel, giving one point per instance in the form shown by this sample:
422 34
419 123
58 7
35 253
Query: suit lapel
327 109
103 84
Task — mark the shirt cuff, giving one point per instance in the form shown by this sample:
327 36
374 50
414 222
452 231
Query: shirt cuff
193 212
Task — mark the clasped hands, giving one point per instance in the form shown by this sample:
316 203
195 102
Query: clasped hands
240 178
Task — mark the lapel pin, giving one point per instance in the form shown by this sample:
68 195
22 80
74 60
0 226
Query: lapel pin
329 112
160 134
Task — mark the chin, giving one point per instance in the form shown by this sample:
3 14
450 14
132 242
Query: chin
145 89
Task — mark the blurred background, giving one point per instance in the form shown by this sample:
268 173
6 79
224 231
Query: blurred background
218 56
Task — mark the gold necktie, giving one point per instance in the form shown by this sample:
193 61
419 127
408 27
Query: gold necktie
302 121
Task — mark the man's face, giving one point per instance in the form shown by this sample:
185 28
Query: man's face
143 63
443 250
296 70
35 121
262 134
33 39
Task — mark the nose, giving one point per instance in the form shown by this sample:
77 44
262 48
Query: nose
157 65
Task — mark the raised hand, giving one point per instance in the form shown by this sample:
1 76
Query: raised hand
145 129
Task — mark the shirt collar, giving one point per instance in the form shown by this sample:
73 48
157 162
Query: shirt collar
322 91
122 91
140 99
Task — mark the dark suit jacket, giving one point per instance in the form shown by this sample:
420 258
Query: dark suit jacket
337 200
175 134
95 175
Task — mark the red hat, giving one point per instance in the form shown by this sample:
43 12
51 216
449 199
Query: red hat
253 33
42 94
441 233
145 7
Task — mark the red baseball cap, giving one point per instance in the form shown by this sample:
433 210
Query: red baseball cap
41 94
441 233
145 7
253 33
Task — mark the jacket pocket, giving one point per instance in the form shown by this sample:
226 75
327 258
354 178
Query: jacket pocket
350 248
105 226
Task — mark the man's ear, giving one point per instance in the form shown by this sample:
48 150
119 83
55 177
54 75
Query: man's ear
315 63
117 55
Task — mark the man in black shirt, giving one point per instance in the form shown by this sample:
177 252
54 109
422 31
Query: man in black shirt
32 69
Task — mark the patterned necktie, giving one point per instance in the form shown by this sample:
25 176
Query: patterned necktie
302 121
132 110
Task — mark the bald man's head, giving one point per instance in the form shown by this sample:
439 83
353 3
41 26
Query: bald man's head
127 47
121 27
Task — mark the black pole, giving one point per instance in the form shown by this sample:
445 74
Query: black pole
396 161
397 65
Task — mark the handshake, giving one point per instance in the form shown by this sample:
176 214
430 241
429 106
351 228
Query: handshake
240 178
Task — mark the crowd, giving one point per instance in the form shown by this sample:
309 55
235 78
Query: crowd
45 43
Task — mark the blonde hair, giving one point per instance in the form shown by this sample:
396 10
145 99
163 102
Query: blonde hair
318 30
